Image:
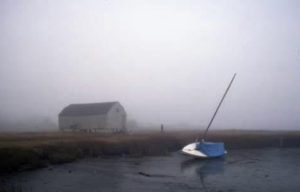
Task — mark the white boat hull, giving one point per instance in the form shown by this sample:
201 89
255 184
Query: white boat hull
190 150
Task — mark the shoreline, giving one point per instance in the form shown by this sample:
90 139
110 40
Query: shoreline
28 151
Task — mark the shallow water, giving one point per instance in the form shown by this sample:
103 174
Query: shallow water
241 170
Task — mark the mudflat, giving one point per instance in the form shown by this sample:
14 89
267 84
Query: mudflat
269 169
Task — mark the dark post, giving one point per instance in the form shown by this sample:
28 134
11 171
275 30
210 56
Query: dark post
162 128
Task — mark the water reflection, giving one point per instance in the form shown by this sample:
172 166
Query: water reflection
203 168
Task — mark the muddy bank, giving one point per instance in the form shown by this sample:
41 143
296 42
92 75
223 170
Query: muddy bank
24 151
272 169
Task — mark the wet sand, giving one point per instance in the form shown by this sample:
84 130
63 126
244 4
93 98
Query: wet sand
270 169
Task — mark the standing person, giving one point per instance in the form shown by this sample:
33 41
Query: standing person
162 128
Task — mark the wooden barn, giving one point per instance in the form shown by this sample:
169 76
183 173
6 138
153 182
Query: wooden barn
108 116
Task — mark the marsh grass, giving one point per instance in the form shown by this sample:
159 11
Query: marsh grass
24 151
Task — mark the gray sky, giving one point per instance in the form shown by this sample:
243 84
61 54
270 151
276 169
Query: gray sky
165 60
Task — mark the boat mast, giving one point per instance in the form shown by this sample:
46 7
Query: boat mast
213 117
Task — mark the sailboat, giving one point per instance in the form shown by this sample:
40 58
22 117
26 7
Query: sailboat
204 149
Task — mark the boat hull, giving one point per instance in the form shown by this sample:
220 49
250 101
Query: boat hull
191 150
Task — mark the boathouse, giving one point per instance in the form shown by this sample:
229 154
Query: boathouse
92 117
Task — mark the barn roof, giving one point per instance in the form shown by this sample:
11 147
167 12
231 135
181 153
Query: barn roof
87 109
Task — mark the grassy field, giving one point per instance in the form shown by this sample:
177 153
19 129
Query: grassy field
23 151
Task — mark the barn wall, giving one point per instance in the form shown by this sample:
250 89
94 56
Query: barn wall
83 122
116 118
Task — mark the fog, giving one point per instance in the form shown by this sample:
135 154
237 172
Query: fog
165 61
